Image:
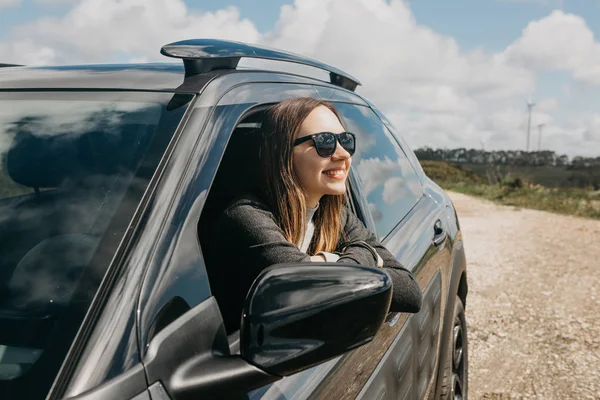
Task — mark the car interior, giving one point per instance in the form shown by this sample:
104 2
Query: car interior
48 237
238 171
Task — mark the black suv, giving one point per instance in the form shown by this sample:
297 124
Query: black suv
111 178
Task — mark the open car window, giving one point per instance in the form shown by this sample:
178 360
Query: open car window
238 172
70 165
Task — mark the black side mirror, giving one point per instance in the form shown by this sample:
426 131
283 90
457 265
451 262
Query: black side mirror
297 316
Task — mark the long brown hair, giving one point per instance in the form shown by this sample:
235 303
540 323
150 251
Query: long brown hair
280 184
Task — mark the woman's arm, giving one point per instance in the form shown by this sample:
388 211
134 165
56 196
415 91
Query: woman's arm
407 296
249 233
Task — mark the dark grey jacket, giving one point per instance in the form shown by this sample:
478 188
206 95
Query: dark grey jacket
248 239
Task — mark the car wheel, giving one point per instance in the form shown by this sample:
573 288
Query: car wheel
456 371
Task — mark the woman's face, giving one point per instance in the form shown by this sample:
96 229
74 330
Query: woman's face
320 176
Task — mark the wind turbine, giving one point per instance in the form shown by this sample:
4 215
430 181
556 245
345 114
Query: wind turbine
530 105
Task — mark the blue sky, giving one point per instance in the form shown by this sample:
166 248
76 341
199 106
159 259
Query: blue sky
465 20
439 54
492 24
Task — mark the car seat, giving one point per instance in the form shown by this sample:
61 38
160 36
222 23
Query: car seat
84 172
238 173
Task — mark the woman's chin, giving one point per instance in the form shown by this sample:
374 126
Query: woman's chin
336 190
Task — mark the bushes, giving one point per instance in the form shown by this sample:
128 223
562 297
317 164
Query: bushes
515 190
450 173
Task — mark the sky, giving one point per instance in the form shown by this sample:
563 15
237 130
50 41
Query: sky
447 74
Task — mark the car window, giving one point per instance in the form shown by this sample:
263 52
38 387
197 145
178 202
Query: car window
237 171
401 139
388 180
70 164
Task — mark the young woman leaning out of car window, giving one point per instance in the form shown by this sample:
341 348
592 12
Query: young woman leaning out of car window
297 212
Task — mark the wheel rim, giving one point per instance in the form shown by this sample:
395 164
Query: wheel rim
456 387
457 343
458 373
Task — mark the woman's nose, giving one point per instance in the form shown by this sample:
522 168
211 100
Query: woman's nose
340 153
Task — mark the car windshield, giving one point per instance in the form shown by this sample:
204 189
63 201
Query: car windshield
71 165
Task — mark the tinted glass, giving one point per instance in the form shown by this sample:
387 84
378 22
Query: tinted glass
70 166
389 181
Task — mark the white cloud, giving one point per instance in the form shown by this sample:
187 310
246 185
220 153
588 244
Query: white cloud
547 105
43 118
431 90
9 3
589 72
435 93
585 131
374 171
558 41
398 60
394 189
101 31
53 2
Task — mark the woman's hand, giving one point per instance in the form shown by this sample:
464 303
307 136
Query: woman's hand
318 258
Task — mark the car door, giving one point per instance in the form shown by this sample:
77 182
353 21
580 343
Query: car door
230 109
389 197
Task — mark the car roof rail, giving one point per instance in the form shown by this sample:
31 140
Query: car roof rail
10 65
205 55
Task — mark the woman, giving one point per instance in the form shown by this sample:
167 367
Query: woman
297 212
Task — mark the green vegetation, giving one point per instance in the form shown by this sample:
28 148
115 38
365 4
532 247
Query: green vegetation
511 189
542 167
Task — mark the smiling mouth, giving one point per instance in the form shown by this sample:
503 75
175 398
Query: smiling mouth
335 174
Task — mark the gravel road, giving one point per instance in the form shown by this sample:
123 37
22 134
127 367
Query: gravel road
533 309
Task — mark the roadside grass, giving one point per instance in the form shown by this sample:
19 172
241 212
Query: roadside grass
515 191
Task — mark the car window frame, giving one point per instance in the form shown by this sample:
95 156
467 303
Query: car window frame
402 142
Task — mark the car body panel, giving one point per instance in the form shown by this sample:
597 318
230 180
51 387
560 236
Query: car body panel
150 77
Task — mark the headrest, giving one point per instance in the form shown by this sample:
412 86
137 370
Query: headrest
239 167
46 161
237 173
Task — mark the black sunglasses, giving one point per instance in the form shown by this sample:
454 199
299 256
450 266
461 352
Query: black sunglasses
326 142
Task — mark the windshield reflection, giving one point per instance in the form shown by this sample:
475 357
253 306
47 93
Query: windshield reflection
68 164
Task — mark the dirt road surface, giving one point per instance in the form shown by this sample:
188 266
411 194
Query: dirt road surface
533 309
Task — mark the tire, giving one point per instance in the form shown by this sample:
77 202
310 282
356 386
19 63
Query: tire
456 371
